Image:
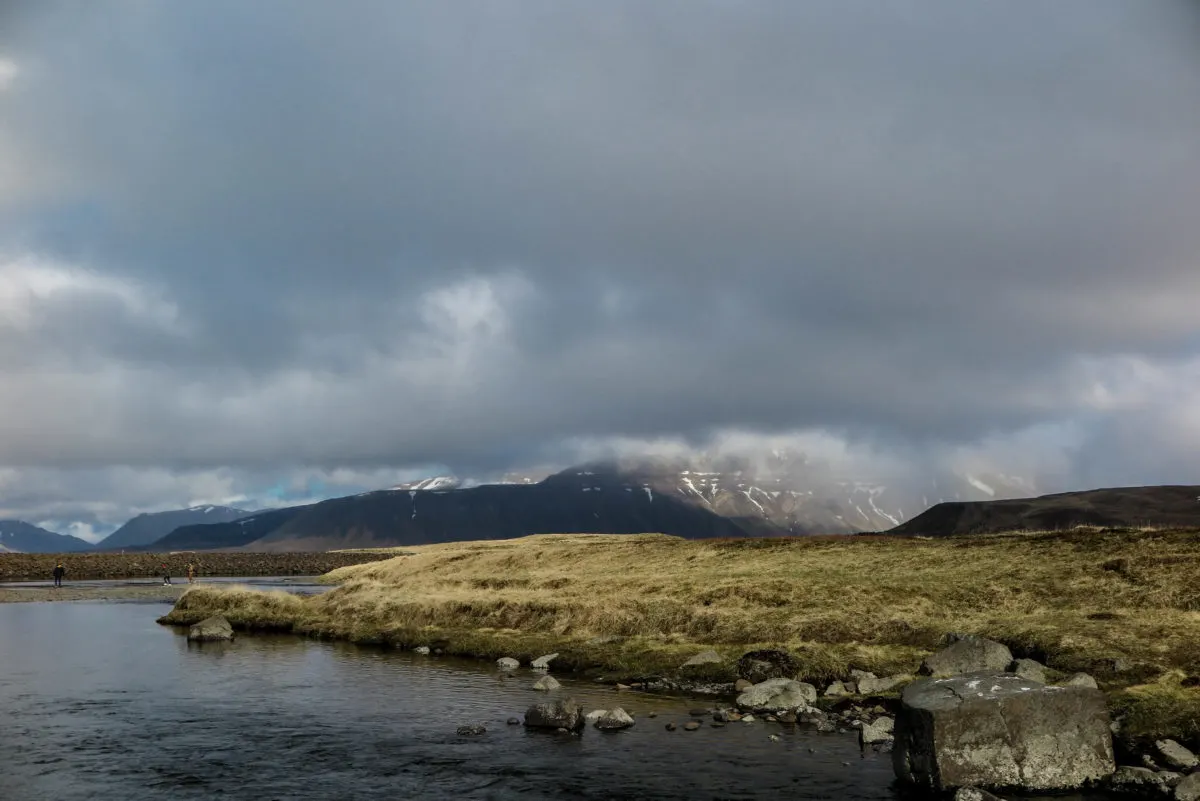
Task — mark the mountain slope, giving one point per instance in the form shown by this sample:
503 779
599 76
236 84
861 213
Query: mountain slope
147 528
233 534
1119 507
20 537
560 504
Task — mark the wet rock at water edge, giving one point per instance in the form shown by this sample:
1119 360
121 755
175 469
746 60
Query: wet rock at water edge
691 725
565 714
698 713
614 720
878 732
741 685
975 794
595 714
543 662
507 663
546 684
670 727
778 694
969 654
421 649
1143 781
212 629
1188 789
999 730
836 690
514 721
758 666
1175 756
472 730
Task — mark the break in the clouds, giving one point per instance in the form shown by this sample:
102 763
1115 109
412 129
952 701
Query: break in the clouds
243 242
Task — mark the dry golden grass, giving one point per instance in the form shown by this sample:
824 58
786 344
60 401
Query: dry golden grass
1076 600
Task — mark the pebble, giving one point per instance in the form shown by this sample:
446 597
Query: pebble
716 724
691 725
514 721
671 727
652 714
773 738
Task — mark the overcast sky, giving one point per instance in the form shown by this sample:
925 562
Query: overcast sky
254 252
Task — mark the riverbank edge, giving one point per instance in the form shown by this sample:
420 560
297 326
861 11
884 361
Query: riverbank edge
102 565
1145 713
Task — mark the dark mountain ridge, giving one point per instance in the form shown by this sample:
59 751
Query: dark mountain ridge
1175 506
147 528
18 536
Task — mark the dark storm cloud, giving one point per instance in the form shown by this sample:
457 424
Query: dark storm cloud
354 234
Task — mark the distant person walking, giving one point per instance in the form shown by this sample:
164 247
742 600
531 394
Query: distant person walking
166 574
191 573
59 572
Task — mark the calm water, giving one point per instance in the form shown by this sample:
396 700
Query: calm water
97 701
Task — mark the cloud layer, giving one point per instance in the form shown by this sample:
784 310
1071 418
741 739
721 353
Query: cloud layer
259 240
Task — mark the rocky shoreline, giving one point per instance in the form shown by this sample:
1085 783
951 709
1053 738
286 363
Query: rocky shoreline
974 721
38 566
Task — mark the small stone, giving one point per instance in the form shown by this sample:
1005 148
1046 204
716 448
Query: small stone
670 727
1175 755
652 714
747 718
773 738
212 629
507 663
703 658
716 724
1080 680
836 690
826 726
614 719
772 719
878 732
872 686
1029 669
546 684
967 654
561 730
421 649
691 725
1139 780
514 721
741 685
473 730
543 662
594 715
787 718
859 675
698 713
621 686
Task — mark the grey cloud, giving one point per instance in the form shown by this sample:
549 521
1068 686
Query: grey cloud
914 225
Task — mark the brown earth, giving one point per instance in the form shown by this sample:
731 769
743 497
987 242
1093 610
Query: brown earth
40 566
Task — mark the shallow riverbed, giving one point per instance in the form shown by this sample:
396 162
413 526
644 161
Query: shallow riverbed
100 702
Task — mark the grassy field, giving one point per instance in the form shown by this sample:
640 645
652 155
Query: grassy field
1121 605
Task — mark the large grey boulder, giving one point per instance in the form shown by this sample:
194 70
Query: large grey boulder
211 629
1142 781
564 714
968 654
758 666
1175 755
507 663
777 694
998 730
975 794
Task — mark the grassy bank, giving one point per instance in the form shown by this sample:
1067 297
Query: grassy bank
1124 606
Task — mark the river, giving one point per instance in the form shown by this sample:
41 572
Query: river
99 702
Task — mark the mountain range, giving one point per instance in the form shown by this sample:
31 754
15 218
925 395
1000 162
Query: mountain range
781 494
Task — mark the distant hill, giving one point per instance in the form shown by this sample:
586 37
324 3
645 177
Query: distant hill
20 537
1168 506
219 536
147 528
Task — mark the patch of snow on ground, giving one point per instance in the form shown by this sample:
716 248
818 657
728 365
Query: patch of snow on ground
649 494
882 513
756 503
